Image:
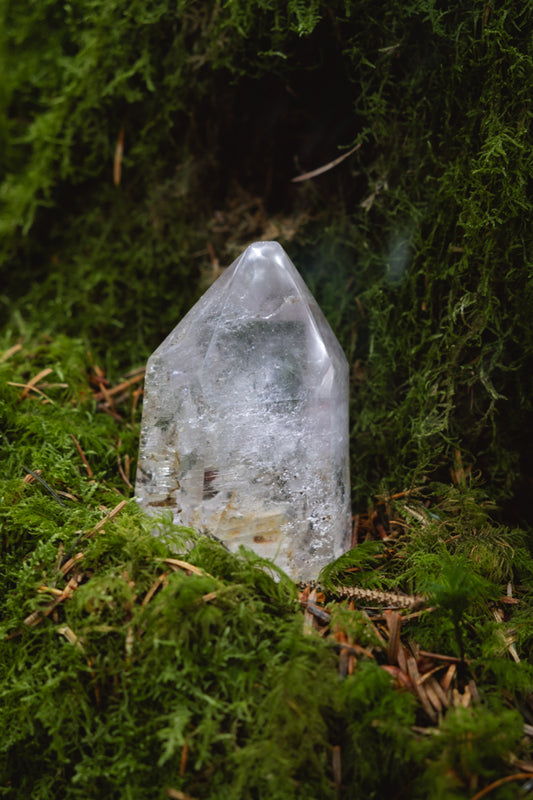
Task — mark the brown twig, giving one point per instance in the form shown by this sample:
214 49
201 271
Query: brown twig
518 776
112 413
326 167
160 581
448 659
112 514
117 163
107 394
136 394
394 624
123 474
67 566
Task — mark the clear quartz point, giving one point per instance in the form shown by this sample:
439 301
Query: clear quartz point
245 419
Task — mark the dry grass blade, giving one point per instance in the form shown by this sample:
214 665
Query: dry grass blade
10 352
68 496
82 456
326 167
160 581
177 563
123 474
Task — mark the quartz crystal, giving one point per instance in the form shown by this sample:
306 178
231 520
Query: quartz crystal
245 419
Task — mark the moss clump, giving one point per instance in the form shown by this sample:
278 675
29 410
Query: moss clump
142 664
117 671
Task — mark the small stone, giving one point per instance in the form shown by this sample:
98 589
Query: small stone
245 420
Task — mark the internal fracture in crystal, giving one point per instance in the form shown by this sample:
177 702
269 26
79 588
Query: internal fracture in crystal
245 419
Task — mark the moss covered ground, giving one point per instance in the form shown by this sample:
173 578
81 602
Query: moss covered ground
143 145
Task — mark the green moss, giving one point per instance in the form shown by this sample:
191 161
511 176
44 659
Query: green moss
202 679
427 231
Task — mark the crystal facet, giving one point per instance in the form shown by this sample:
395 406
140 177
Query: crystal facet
245 419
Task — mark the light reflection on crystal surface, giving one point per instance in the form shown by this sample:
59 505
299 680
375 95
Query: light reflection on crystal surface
245 419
